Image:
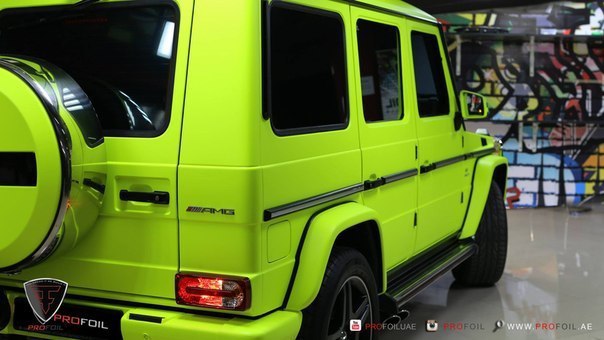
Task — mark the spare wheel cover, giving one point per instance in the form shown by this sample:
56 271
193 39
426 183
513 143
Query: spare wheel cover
35 170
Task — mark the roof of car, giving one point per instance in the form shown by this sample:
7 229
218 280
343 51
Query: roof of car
397 6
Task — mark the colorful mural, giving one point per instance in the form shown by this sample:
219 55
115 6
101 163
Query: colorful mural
542 69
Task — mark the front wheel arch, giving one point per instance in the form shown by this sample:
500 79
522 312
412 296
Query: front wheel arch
488 169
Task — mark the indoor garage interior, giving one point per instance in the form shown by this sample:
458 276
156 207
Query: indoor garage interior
541 68
301 169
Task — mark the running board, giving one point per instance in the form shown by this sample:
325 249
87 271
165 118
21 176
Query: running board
421 272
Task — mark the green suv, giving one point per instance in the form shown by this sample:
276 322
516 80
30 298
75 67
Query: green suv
241 169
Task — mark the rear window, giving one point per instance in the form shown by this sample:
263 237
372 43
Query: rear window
121 55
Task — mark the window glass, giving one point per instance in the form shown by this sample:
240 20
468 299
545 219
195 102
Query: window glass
432 94
47 76
121 56
307 70
380 60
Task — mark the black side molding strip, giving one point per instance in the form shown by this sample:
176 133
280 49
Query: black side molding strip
450 161
400 176
481 153
290 208
370 185
314 201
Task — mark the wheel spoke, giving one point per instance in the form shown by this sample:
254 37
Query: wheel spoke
348 298
363 311
343 315
355 303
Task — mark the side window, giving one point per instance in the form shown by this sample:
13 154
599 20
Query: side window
121 56
380 63
308 90
430 81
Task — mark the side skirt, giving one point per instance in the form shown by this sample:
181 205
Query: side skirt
409 279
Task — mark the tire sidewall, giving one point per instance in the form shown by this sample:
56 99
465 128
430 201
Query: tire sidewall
344 264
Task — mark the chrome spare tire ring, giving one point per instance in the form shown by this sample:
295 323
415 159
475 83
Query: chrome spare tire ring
51 241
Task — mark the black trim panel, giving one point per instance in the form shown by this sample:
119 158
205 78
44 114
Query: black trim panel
290 208
18 169
146 318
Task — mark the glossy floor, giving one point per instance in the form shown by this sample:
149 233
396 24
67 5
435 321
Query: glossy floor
554 277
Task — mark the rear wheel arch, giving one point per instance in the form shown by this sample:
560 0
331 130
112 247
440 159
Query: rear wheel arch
336 226
365 237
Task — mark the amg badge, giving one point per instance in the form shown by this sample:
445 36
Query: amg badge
213 211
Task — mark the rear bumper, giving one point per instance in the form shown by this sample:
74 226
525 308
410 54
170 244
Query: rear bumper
151 323
277 325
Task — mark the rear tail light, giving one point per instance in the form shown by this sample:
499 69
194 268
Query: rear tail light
210 291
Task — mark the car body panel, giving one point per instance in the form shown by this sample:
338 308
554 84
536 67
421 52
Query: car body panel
227 170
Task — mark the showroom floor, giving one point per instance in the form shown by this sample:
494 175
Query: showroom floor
554 274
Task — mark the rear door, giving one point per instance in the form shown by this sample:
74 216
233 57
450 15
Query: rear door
387 130
124 57
444 176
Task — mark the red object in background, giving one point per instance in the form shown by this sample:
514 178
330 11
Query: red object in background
513 195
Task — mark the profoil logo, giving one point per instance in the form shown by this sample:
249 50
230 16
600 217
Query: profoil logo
45 297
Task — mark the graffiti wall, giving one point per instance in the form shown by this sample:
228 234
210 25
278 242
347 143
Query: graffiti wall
541 68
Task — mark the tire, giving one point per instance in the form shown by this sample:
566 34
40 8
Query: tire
485 267
348 274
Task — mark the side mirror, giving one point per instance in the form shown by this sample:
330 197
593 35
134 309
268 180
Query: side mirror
473 105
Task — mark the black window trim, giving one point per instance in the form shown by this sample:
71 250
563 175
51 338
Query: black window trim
400 71
445 74
126 4
267 84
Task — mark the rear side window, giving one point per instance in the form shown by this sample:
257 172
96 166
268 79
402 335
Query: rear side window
121 56
307 64
380 63
432 94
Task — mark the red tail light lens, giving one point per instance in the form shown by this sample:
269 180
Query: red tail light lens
211 291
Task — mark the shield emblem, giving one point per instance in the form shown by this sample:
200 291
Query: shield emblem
45 297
